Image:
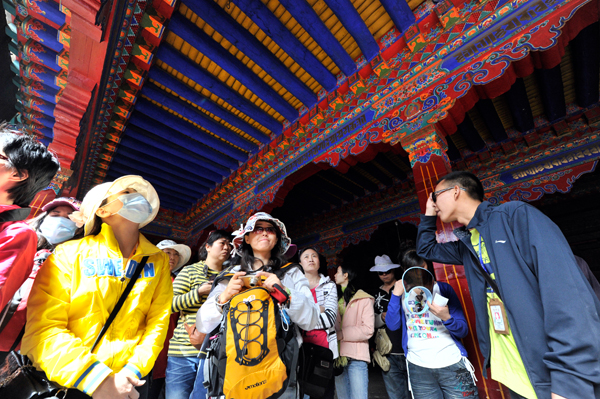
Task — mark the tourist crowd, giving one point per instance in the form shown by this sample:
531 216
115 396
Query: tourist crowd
100 311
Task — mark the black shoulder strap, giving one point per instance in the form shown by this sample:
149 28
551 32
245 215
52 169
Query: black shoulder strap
14 215
113 314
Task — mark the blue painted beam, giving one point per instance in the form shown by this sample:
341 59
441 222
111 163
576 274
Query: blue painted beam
192 95
196 37
586 64
181 140
272 26
355 25
193 114
167 167
178 191
306 16
400 13
175 122
223 23
518 104
173 154
186 187
188 68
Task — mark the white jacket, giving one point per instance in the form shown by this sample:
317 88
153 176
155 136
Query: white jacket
327 297
302 309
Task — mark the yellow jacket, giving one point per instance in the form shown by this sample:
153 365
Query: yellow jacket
71 299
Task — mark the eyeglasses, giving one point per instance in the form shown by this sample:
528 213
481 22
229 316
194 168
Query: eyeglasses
437 193
4 158
263 229
384 273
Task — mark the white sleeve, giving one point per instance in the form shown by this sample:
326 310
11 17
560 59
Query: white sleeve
302 310
209 315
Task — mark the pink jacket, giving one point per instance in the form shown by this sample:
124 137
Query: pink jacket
357 326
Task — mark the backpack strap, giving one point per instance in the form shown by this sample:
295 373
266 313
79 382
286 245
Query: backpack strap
113 314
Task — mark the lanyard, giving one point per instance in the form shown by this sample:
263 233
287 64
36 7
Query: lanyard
481 256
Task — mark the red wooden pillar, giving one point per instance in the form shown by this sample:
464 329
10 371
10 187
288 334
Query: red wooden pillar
427 153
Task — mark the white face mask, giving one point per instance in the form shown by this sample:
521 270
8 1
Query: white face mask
57 229
416 293
135 207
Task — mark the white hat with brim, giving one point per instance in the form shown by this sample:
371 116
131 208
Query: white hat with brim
383 264
93 199
185 253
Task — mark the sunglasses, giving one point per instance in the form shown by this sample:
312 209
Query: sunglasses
262 229
435 194
384 273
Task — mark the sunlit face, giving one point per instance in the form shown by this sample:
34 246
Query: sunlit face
173 257
219 250
62 211
113 205
263 238
9 176
340 277
309 260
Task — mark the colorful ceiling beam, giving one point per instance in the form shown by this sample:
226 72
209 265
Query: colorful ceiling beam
145 121
272 26
246 42
355 25
192 71
306 16
193 97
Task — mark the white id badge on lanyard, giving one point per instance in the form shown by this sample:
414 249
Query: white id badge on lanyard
498 316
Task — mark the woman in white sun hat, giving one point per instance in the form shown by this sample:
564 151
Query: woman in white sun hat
179 254
262 244
81 282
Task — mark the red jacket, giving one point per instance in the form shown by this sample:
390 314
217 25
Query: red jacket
18 243
16 323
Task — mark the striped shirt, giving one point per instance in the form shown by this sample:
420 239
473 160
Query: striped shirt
187 301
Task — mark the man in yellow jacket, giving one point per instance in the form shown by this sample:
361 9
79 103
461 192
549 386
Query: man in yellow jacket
79 285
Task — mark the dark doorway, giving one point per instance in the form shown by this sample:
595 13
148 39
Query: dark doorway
385 240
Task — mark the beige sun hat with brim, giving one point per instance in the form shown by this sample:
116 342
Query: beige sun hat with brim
185 252
92 200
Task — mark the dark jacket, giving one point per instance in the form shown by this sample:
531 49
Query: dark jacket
456 325
552 311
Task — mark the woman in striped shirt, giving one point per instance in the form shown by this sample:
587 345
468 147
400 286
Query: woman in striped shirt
190 289
324 292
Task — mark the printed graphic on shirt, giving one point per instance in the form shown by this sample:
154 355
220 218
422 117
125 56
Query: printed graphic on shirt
423 325
382 300
429 341
100 267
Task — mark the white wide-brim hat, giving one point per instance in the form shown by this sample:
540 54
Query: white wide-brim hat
92 200
185 253
383 263
238 235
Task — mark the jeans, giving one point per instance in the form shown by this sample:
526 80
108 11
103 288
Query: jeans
199 391
452 382
396 378
181 374
353 383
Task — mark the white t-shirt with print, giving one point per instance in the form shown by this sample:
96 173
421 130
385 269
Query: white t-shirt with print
429 342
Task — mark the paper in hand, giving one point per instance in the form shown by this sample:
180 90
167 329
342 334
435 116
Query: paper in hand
440 300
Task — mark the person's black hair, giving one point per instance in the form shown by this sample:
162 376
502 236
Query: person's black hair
411 259
350 290
277 259
212 237
80 232
27 155
466 180
322 260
